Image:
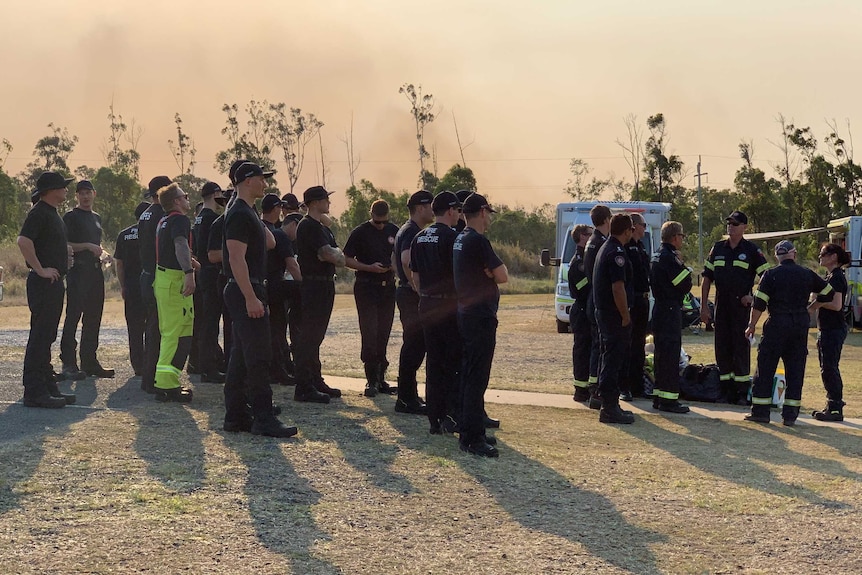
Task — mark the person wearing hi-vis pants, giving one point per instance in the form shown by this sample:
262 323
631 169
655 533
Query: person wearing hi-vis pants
173 287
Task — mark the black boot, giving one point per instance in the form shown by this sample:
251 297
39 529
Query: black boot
834 411
382 385
305 392
611 413
595 399
789 414
371 371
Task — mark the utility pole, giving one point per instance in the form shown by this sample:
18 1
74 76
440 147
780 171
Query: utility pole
699 213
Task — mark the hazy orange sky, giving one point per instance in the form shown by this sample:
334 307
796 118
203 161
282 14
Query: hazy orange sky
532 85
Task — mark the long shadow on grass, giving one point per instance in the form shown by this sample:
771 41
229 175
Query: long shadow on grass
541 499
280 502
364 451
22 434
168 437
735 453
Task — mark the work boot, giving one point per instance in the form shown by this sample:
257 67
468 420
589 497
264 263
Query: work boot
306 393
413 406
759 414
581 395
46 401
71 371
212 377
177 394
54 391
480 447
270 426
371 371
672 406
99 371
382 385
490 422
789 414
834 411
611 413
321 386
595 399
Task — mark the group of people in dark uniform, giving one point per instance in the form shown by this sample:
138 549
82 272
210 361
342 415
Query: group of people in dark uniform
611 279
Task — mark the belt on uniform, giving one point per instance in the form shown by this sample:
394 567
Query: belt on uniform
374 282
83 264
318 278
252 281
439 295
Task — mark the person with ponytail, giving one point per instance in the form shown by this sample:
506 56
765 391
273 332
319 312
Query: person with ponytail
833 331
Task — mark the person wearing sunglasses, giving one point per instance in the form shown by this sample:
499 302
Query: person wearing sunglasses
732 265
833 331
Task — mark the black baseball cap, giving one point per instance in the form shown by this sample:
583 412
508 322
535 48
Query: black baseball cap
140 209
784 247
155 185
209 189
476 202
420 198
224 197
315 193
444 201
249 170
51 181
737 216
463 195
231 173
269 202
85 185
290 201
291 218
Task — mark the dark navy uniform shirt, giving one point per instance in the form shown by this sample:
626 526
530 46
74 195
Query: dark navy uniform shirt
242 223
669 277
403 240
579 284
369 245
591 251
83 226
431 257
147 224
785 289
171 226
311 235
472 254
275 257
733 270
640 266
128 252
612 265
201 236
45 228
831 319
215 241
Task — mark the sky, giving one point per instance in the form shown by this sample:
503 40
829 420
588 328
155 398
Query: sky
531 85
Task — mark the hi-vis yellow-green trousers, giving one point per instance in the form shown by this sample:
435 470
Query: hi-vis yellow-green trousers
176 320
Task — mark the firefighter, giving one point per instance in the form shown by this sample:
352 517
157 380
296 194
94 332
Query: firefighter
579 286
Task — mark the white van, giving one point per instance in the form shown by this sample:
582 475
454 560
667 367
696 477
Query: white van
571 214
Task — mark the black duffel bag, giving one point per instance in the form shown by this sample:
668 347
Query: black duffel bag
701 383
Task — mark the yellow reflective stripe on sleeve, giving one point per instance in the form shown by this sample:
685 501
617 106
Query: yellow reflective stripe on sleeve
741 264
792 402
666 394
762 296
708 265
594 379
761 401
725 377
580 285
580 383
719 263
762 268
743 378
680 276
826 290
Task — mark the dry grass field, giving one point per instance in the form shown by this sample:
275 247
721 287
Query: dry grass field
121 484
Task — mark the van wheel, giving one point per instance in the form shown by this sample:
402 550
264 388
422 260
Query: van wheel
562 327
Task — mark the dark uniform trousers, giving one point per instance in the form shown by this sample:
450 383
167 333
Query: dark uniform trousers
581 346
479 335
439 318
375 304
247 381
152 336
318 298
45 300
667 334
136 323
732 349
293 311
829 352
632 379
595 342
198 304
227 324
413 346
207 320
785 337
85 302
277 293
615 343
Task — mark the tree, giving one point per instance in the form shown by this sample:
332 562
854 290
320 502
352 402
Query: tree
759 198
118 158
787 170
352 159
52 154
118 193
457 178
254 143
14 201
662 169
359 200
183 150
634 150
5 149
291 130
848 174
422 109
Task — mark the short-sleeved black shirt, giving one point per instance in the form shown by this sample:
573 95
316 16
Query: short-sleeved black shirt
369 245
403 239
733 270
147 224
241 223
45 228
128 252
786 287
172 226
640 266
216 240
431 257
831 319
612 265
83 226
275 257
472 254
201 235
311 235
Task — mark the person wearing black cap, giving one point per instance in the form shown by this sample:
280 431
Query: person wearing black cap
732 265
600 216
246 240
431 264
631 381
208 300
671 281
413 346
127 258
42 242
462 196
369 251
276 288
85 298
293 291
612 295
784 290
289 205
147 224
318 257
477 271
